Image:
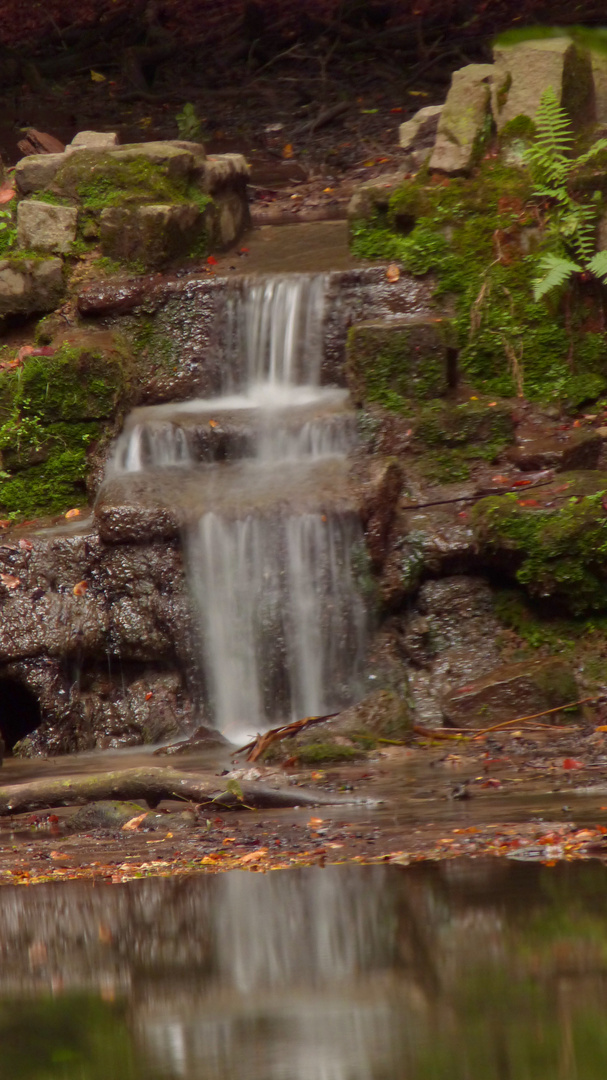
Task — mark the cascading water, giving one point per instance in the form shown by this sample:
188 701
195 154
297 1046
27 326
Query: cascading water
270 555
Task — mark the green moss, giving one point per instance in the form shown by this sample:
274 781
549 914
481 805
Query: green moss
51 410
315 753
559 553
395 365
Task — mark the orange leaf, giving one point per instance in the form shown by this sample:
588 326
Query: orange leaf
393 272
72 514
212 423
314 821
287 150
9 581
602 727
149 695
7 192
253 856
80 588
134 823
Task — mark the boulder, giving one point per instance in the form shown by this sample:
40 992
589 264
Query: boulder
463 119
42 226
526 69
374 196
106 814
510 691
151 235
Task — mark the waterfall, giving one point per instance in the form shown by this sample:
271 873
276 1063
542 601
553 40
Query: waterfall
270 557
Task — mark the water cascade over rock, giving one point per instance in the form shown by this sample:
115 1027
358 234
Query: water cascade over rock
259 480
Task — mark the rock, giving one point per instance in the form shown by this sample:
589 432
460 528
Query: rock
374 196
419 133
40 142
36 173
42 226
151 235
514 690
93 140
393 362
224 177
463 119
526 69
380 486
575 449
107 815
178 163
29 286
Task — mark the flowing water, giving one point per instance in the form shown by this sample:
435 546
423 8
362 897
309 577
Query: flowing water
270 553
453 971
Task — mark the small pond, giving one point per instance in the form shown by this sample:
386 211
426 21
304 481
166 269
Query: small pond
461 970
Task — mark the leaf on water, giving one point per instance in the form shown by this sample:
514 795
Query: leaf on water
133 824
9 581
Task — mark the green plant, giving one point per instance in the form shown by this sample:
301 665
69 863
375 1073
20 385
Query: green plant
188 123
8 231
572 223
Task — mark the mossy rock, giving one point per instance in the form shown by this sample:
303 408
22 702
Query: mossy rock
392 364
53 411
513 690
555 549
96 181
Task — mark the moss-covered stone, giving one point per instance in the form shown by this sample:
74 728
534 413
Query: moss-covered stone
510 691
53 410
393 363
449 437
556 549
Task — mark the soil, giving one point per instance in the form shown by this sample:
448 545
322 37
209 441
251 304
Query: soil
539 796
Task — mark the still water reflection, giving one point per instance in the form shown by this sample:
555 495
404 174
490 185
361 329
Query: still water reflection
466 971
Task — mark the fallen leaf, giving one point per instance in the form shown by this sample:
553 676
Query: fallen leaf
26 545
4 523
96 76
212 423
571 763
393 272
9 581
287 151
253 856
528 502
134 823
211 260
149 695
314 821
59 855
80 588
7 192
72 514
499 479
521 483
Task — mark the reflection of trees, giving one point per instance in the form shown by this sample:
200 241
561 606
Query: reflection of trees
454 970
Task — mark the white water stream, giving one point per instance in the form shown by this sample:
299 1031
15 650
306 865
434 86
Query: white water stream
281 616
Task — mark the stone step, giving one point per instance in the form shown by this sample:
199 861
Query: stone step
160 503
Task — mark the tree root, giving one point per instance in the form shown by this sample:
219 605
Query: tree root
153 785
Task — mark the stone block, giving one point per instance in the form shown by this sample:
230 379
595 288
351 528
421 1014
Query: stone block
152 235
525 70
463 119
29 286
178 163
223 170
391 363
511 691
93 140
42 226
37 172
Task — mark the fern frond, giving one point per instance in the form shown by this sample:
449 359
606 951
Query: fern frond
583 159
548 158
598 265
558 271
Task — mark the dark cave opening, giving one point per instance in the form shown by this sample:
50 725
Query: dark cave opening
19 712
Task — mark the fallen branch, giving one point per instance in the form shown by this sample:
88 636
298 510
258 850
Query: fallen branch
151 785
256 748
534 716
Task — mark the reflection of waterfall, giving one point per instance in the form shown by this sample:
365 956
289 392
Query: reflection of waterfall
272 578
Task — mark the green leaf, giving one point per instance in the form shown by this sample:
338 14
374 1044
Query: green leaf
558 271
598 265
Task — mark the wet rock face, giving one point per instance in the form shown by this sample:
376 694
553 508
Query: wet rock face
510 691
105 664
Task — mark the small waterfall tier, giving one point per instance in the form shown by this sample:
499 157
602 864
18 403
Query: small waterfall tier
257 482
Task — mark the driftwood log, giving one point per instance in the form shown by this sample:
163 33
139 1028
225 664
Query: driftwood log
153 785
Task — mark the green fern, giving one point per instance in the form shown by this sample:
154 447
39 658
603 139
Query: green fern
572 224
598 265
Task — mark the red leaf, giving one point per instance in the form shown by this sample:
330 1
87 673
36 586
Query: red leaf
571 763
7 192
212 261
